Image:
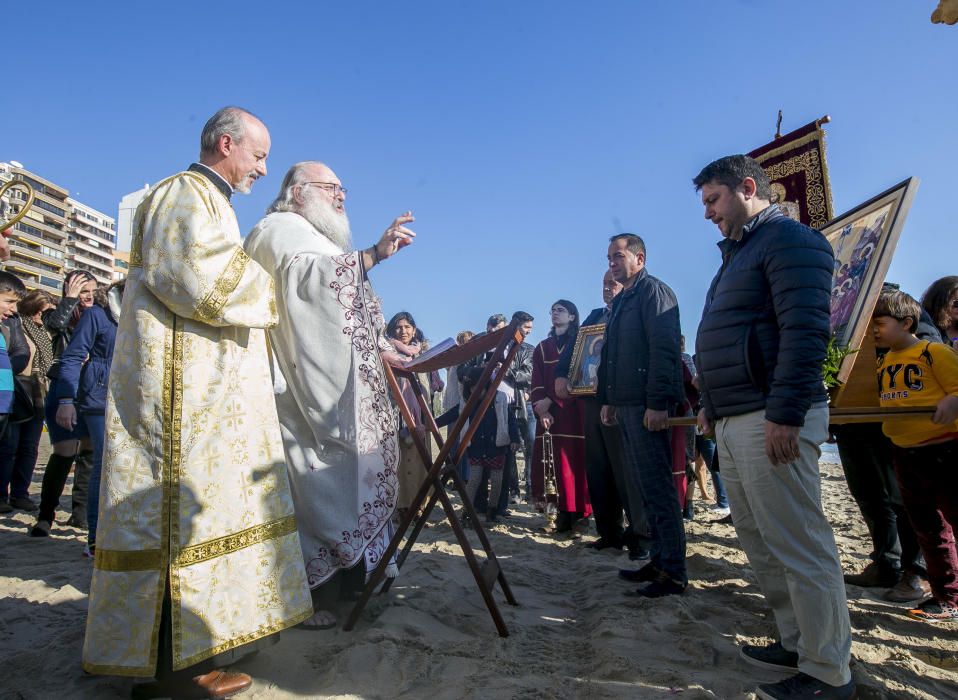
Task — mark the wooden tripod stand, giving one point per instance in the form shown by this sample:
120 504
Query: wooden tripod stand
444 469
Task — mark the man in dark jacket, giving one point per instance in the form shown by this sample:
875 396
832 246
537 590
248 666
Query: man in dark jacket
604 457
640 381
760 348
519 377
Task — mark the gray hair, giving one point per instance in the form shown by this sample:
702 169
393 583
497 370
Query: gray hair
228 120
294 177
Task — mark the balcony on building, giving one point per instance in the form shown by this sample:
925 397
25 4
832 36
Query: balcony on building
42 187
35 236
30 265
88 228
79 255
81 241
35 251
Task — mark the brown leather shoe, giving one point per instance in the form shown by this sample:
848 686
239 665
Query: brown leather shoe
910 588
874 575
215 685
223 684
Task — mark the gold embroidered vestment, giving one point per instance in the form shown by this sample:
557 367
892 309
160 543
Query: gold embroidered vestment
194 488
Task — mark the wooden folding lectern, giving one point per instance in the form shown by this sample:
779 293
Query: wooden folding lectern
442 471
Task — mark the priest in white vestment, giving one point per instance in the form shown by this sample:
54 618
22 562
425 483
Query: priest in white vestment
338 426
197 549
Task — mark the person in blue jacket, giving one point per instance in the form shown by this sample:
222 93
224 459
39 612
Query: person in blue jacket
68 446
83 381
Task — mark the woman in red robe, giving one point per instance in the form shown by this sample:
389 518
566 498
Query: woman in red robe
563 419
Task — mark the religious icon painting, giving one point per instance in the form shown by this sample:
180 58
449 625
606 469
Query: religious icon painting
864 241
584 370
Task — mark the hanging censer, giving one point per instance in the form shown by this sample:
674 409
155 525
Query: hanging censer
551 491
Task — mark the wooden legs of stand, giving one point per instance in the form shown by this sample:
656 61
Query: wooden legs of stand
486 575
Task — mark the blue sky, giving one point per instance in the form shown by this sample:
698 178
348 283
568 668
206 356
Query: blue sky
521 134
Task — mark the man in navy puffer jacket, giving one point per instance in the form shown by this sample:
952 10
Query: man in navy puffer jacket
760 348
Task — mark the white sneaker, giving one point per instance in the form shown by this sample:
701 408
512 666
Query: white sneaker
718 510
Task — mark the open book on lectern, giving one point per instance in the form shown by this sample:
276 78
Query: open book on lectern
448 354
432 352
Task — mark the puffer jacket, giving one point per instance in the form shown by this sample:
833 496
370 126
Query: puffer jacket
761 341
641 364
82 379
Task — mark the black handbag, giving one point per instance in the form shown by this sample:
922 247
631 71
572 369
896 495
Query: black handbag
23 406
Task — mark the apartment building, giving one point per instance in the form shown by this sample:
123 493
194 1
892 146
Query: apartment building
121 265
91 241
124 220
38 241
57 234
124 231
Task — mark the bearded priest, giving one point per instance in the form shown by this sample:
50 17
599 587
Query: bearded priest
334 409
197 551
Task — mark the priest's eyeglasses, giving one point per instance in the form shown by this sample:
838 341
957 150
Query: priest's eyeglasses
333 188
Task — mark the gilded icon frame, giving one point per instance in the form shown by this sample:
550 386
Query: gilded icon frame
584 369
863 240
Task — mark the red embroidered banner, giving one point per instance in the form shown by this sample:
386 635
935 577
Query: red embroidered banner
795 163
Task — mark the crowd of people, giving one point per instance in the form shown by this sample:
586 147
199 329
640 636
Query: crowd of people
241 451
60 355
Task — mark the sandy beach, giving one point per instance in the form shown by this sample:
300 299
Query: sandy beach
574 635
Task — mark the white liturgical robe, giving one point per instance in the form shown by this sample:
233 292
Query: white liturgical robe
338 427
194 492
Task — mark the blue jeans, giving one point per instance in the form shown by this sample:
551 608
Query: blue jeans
96 426
530 440
649 482
706 448
18 457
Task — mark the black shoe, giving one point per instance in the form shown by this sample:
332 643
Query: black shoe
772 656
21 503
875 575
604 543
662 586
639 554
41 529
649 572
803 686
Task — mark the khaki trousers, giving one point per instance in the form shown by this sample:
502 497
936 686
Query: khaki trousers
777 512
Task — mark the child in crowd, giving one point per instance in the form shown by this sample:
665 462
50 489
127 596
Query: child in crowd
15 355
923 373
11 291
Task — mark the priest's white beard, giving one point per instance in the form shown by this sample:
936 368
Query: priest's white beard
320 212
